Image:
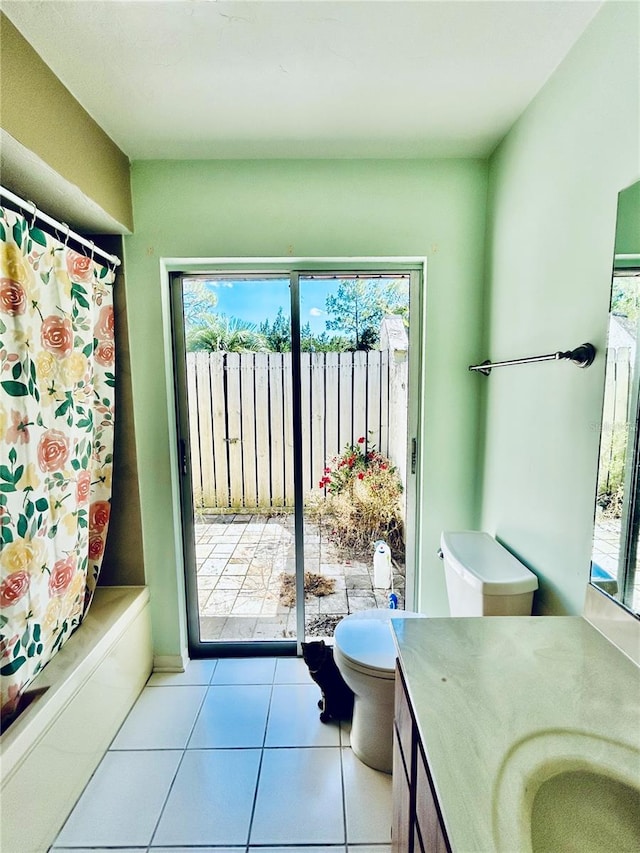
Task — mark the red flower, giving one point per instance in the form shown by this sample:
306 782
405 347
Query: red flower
61 576
327 470
53 450
79 267
361 440
99 516
105 324
57 335
83 486
361 475
12 297
96 546
13 587
105 353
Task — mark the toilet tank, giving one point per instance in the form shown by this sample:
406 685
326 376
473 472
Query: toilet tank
483 578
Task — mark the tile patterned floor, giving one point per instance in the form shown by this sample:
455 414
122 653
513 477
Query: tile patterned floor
241 560
231 756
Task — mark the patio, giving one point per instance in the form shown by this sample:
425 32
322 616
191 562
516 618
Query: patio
241 562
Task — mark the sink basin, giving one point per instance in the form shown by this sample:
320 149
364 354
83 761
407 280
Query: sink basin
565 791
582 810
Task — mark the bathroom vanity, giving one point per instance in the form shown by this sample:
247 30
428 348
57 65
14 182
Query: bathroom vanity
507 731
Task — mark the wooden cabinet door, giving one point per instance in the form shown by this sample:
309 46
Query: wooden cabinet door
427 817
402 819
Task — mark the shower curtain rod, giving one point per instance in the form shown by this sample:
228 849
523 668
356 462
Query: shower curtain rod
581 356
31 208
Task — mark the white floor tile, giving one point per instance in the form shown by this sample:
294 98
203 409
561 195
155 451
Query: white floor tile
299 798
244 671
186 850
294 718
291 671
108 850
162 718
196 672
369 848
211 799
233 715
367 801
333 848
122 803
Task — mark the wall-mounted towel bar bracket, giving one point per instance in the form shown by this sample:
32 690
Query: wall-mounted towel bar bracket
581 356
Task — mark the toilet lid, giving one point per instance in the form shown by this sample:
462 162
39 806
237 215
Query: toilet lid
366 641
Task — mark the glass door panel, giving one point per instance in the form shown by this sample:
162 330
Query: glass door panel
354 380
239 431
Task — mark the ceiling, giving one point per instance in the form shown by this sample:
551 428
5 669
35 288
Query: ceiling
192 79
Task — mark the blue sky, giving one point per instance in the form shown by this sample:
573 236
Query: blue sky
257 301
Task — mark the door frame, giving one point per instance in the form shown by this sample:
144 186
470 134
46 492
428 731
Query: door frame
294 269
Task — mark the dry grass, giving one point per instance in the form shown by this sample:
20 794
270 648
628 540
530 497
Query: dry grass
314 584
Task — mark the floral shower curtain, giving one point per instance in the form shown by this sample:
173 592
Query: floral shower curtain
56 444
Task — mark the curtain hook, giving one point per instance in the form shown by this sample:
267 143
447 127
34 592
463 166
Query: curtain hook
93 246
33 214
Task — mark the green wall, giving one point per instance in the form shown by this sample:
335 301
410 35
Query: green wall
554 182
44 117
310 209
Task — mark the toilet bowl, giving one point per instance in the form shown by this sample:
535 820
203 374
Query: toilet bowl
365 653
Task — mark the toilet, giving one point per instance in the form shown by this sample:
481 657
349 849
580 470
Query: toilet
482 579
365 653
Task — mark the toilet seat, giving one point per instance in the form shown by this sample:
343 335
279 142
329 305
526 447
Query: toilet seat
365 641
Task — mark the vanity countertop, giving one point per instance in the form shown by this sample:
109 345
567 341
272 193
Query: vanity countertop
486 690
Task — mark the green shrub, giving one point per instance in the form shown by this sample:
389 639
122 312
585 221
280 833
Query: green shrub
362 492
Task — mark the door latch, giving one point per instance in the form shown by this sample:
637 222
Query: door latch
183 457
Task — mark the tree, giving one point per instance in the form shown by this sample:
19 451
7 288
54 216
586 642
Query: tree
226 334
358 306
277 335
199 303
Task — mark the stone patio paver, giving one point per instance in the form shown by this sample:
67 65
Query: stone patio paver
241 560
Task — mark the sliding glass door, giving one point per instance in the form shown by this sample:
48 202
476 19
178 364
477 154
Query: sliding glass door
292 424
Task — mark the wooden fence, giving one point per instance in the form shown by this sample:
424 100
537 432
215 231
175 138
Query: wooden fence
615 419
240 420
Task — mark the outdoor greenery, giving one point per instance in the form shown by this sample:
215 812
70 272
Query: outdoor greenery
625 308
225 334
355 312
361 501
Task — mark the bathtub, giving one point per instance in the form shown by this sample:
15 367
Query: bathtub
80 700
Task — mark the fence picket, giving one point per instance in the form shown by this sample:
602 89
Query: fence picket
263 459
345 432
359 395
287 450
248 417
305 387
234 429
276 428
317 445
205 430
218 409
194 436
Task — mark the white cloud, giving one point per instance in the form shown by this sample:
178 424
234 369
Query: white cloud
219 283
316 312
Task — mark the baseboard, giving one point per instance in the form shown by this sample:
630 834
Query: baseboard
171 663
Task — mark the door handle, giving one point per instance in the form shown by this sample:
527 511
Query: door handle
182 450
